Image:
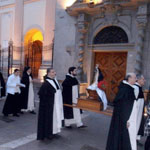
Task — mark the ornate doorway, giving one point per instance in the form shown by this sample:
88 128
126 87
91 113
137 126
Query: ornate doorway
33 50
113 66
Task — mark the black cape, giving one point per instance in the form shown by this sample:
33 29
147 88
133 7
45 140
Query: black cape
45 116
25 91
67 84
2 84
118 137
141 95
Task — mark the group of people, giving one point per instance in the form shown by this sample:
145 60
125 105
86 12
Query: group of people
51 109
127 124
20 95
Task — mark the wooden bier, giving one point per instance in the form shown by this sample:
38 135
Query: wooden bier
91 103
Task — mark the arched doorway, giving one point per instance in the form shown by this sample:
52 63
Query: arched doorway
112 63
33 50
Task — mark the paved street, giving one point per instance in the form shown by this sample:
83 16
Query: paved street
20 134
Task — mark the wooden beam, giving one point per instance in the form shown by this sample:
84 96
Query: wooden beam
107 112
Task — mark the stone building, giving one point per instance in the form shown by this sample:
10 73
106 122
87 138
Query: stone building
27 26
61 33
113 33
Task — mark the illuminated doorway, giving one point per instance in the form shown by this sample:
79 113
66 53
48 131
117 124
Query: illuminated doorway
33 44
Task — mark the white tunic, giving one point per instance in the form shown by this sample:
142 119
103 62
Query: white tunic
58 114
30 106
76 112
133 121
140 106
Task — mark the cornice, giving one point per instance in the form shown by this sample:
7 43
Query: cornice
30 1
11 5
110 5
112 47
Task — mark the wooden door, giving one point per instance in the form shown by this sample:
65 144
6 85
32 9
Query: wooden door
33 57
113 67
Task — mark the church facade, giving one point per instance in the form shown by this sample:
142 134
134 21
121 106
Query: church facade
61 33
112 33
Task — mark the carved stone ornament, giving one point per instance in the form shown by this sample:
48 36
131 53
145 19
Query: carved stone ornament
142 16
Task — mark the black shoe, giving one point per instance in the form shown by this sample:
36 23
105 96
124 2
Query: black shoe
32 112
50 137
57 136
5 115
68 127
21 112
42 139
16 115
139 144
83 126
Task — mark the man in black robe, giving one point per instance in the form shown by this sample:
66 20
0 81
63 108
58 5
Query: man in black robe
70 95
119 137
50 107
140 107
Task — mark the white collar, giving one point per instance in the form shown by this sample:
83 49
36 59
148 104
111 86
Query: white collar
136 83
70 75
125 82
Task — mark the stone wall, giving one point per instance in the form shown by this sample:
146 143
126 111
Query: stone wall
64 41
146 56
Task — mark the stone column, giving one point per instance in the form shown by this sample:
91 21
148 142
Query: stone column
141 25
47 52
82 30
18 27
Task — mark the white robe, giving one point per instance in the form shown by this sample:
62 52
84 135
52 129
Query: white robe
76 112
58 114
30 96
140 106
133 121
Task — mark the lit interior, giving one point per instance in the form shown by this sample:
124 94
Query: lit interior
33 35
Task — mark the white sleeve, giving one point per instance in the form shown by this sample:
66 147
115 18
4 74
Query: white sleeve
10 82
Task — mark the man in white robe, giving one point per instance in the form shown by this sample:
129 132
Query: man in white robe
12 103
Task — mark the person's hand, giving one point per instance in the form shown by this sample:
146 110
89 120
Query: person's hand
128 124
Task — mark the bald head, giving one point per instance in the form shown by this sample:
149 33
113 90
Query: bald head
130 78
